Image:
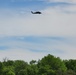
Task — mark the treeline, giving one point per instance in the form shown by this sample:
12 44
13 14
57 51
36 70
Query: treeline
48 65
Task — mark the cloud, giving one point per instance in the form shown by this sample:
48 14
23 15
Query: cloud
70 9
20 54
27 55
69 1
54 21
20 48
58 21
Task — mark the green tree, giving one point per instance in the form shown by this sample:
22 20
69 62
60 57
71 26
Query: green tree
8 71
22 72
20 66
32 69
55 63
70 64
8 63
1 68
32 62
8 67
50 64
46 71
70 72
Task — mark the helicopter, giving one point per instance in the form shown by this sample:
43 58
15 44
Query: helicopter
37 12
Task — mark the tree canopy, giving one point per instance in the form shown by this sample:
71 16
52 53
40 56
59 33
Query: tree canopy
48 65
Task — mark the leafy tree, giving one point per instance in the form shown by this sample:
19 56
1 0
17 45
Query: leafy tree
70 72
32 69
8 67
32 62
22 72
20 66
55 63
46 71
9 63
1 68
48 65
8 71
70 64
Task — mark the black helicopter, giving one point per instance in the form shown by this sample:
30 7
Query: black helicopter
37 12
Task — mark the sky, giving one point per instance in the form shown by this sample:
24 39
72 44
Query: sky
26 36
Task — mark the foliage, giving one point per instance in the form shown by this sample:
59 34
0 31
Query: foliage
70 64
20 66
48 65
54 63
1 68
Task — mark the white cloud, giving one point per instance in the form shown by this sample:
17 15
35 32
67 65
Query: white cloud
20 54
70 9
23 50
69 1
52 22
58 49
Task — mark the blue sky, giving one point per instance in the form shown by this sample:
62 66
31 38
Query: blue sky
26 36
